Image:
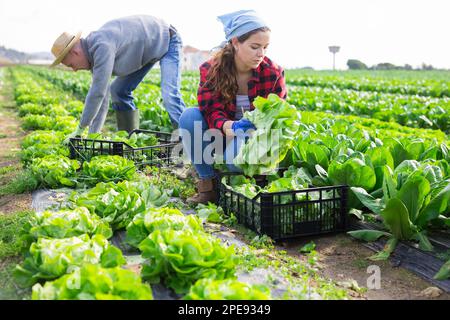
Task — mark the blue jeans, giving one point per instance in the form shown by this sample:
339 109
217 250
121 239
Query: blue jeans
122 87
193 128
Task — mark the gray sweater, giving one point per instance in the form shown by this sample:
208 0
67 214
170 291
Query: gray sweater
119 48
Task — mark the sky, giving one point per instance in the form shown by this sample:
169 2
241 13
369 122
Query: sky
373 31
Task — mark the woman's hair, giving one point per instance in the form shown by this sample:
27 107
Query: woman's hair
222 74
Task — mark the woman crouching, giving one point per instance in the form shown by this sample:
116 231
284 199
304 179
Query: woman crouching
229 82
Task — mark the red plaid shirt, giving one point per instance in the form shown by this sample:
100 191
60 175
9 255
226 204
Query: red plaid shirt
267 78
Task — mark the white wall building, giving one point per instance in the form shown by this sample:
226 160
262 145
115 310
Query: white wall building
193 58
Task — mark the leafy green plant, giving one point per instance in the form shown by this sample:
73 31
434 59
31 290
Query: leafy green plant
307 248
444 272
64 224
169 182
293 179
243 185
92 282
41 150
30 108
136 140
153 114
50 110
433 84
107 169
407 207
51 258
40 97
309 155
74 107
261 242
210 213
42 137
43 122
37 122
24 181
145 223
409 110
11 224
277 124
55 171
353 172
118 203
66 124
208 289
181 258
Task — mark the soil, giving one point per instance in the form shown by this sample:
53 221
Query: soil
11 135
10 131
343 259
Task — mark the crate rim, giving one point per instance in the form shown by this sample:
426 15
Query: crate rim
154 132
276 205
100 141
125 149
267 208
262 194
168 144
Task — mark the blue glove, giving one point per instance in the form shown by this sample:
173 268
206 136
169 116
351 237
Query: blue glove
242 125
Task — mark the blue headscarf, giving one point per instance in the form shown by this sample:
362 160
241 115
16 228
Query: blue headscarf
236 24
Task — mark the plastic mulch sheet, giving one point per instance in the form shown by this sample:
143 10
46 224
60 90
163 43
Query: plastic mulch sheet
53 200
408 256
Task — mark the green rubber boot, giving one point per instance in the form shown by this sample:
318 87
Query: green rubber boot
127 120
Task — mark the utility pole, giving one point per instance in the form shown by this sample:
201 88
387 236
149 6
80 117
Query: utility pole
334 50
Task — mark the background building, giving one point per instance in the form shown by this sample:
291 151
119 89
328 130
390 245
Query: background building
193 58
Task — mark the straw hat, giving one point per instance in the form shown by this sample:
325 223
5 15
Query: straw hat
62 46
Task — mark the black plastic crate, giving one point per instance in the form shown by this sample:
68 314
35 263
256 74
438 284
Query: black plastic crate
159 155
289 214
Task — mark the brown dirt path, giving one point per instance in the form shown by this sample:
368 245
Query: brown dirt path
11 134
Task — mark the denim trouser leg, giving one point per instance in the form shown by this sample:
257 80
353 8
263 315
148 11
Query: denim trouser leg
193 127
171 80
122 88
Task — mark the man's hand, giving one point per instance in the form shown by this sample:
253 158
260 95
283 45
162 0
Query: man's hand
77 133
242 126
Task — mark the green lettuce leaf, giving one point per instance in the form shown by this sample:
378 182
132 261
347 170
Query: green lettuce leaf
208 289
147 222
55 171
277 124
52 258
118 203
180 258
108 169
65 224
92 282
